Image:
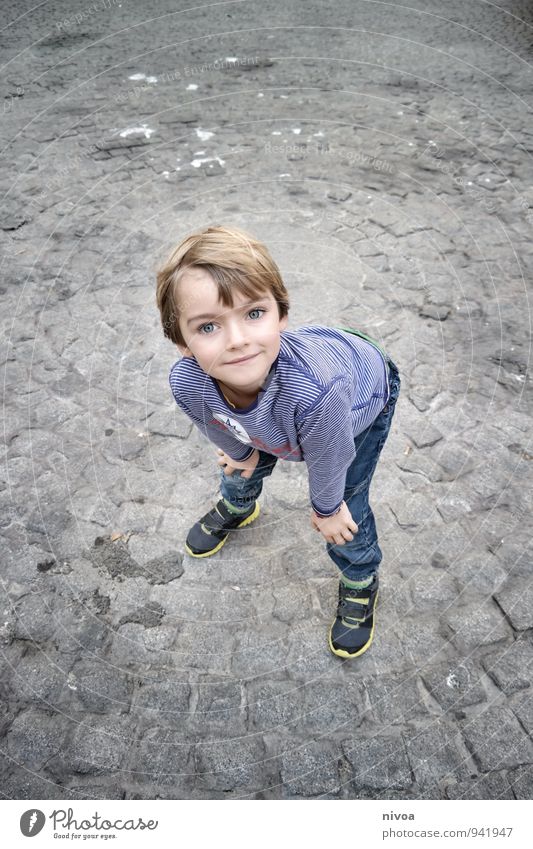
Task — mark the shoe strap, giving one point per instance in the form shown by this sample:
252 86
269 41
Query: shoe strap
355 603
221 519
349 609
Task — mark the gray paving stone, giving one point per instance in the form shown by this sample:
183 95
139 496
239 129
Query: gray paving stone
95 746
260 651
497 740
422 640
80 629
436 754
35 737
455 684
512 667
22 783
479 573
310 771
220 709
412 511
150 615
160 759
134 517
204 647
521 781
152 547
510 546
395 698
34 618
516 600
454 460
99 689
162 700
378 762
233 764
95 791
492 785
454 505
115 559
420 430
522 706
418 463
436 590
275 704
435 544
309 656
194 602
160 641
41 678
482 624
162 570
131 647
332 706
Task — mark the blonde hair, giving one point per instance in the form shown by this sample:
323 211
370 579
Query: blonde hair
233 258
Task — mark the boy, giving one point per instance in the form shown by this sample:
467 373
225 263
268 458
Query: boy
259 392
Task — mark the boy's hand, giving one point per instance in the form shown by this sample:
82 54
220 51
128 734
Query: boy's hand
338 528
231 466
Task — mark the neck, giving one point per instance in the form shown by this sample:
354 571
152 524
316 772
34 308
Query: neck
239 399
242 397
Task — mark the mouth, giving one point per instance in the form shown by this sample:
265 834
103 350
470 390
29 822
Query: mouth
242 360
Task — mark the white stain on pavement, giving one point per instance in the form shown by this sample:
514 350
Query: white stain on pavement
203 135
197 162
138 77
144 130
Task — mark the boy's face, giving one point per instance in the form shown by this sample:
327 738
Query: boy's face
216 335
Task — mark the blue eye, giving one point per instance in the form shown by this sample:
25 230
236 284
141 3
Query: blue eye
210 323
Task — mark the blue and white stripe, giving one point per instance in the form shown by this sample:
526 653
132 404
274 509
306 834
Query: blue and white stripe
325 387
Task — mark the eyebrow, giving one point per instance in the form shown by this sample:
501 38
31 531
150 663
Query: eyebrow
214 315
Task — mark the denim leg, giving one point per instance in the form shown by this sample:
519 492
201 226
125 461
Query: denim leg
360 558
241 492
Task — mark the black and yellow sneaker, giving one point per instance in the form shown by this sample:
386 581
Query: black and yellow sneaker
351 633
210 532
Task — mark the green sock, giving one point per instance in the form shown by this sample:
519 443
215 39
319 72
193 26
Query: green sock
233 509
357 585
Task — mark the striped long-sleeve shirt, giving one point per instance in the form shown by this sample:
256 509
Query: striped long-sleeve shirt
325 387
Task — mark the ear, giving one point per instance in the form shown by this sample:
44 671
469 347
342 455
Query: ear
184 351
283 322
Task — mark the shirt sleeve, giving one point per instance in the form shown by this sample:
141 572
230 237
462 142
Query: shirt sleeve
325 434
219 436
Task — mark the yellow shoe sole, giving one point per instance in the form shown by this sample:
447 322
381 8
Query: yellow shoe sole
246 521
341 652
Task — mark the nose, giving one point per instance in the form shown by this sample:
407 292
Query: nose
236 334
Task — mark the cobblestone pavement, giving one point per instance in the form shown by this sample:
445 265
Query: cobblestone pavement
384 153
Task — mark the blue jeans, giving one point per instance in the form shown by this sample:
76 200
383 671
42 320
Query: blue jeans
359 558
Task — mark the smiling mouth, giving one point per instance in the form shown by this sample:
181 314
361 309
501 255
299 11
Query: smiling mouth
244 360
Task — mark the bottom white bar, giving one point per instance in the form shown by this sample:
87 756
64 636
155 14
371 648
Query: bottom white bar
246 823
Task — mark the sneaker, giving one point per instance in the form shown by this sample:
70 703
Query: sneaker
351 633
210 532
